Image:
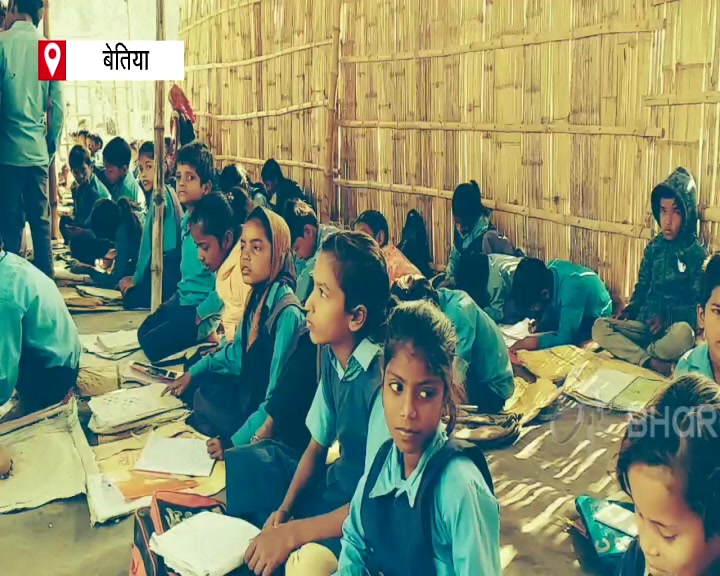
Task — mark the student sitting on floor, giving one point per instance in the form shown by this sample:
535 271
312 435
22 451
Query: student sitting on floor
118 224
668 464
193 313
488 279
234 176
86 192
562 297
95 145
657 327
233 384
705 358
305 501
485 363
216 226
375 224
137 289
426 504
122 184
277 185
40 347
307 237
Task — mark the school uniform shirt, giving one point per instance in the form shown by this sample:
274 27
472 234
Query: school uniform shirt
341 410
84 198
579 298
696 361
24 140
485 361
501 270
260 199
197 284
233 292
228 360
126 251
398 264
304 268
32 315
465 522
477 231
171 233
129 188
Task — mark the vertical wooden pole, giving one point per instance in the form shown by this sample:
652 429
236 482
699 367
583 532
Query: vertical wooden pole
159 191
52 174
329 207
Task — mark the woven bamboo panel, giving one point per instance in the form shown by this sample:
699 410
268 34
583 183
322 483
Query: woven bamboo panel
257 73
565 112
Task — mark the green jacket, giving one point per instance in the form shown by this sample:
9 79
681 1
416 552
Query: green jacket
671 270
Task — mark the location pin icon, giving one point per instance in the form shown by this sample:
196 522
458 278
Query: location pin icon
52 57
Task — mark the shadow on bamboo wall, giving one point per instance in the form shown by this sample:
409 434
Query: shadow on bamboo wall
565 112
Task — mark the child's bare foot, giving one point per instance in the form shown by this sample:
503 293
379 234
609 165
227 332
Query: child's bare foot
660 366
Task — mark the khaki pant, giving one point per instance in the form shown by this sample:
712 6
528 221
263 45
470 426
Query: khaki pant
311 560
633 342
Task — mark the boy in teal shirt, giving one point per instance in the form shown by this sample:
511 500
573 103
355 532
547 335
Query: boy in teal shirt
193 313
27 140
40 347
306 235
563 297
117 156
705 358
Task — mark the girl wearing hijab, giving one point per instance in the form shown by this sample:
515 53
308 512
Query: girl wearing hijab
232 385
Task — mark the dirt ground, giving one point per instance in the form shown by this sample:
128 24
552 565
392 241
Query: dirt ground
536 481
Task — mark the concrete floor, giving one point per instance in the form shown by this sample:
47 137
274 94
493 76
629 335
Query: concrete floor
536 481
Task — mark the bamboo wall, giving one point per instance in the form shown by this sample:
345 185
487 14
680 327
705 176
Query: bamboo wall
565 112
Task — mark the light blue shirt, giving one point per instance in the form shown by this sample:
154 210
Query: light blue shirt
481 226
228 360
197 284
485 361
171 228
129 188
579 298
465 521
32 315
321 420
24 101
696 361
305 268
501 270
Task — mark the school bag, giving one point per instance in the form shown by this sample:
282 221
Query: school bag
399 537
166 510
414 243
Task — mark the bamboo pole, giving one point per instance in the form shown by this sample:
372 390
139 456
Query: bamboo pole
329 206
52 174
159 189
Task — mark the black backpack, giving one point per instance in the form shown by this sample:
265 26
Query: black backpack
414 243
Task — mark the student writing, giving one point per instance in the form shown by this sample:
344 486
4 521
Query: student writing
192 314
283 189
305 501
669 463
117 157
137 288
425 506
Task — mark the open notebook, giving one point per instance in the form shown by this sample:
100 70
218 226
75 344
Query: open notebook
206 544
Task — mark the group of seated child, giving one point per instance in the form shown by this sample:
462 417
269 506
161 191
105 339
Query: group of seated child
325 336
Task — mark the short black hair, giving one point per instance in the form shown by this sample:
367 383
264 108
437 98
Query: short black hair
84 133
79 156
412 288
147 149
530 279
198 156
298 214
361 272
467 202
219 213
117 153
271 171
30 7
96 138
377 222
233 176
710 277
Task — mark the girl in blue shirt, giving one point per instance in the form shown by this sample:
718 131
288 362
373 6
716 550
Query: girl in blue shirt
424 506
